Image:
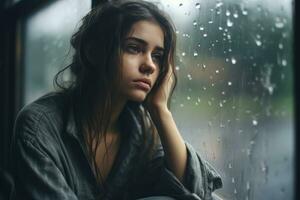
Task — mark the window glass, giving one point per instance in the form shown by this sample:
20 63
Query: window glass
234 100
46 41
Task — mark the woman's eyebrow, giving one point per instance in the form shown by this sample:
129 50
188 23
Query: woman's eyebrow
143 42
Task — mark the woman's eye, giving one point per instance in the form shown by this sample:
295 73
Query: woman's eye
157 58
133 49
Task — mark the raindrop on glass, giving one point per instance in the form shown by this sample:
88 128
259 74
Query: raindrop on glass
232 180
248 185
217 71
229 166
229 83
220 28
194 23
279 23
219 4
244 12
210 22
233 60
205 35
284 62
183 53
236 15
180 4
229 23
188 98
177 68
254 122
209 103
258 42
195 54
197 5
189 77
280 46
228 13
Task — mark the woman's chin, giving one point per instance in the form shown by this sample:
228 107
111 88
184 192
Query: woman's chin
138 97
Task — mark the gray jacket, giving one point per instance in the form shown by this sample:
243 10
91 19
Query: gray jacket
49 161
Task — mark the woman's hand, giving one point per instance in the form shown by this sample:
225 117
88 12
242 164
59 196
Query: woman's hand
159 99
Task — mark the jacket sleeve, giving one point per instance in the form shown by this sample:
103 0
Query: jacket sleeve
199 182
35 171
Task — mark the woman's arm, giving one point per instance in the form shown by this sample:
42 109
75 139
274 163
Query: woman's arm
172 142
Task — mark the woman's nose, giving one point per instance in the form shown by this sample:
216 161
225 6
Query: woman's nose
148 66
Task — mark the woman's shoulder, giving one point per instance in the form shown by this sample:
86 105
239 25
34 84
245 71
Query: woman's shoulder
42 115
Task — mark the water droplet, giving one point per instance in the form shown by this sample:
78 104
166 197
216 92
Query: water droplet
183 53
264 167
233 60
204 88
195 54
220 104
197 5
201 28
181 105
228 13
194 23
236 15
205 35
229 23
279 23
219 4
188 98
223 92
235 191
254 122
180 4
280 46
220 28
177 68
177 32
284 62
244 11
229 83
229 166
209 103
199 100
232 180
258 42
248 185
203 66
189 77
210 22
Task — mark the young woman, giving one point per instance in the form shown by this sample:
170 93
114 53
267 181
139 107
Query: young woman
109 134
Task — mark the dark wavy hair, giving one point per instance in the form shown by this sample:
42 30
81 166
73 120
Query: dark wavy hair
95 69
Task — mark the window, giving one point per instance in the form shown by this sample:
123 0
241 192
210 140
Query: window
234 99
46 41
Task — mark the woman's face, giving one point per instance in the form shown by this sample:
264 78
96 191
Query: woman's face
141 58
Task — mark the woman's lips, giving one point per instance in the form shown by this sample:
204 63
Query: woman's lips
142 85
